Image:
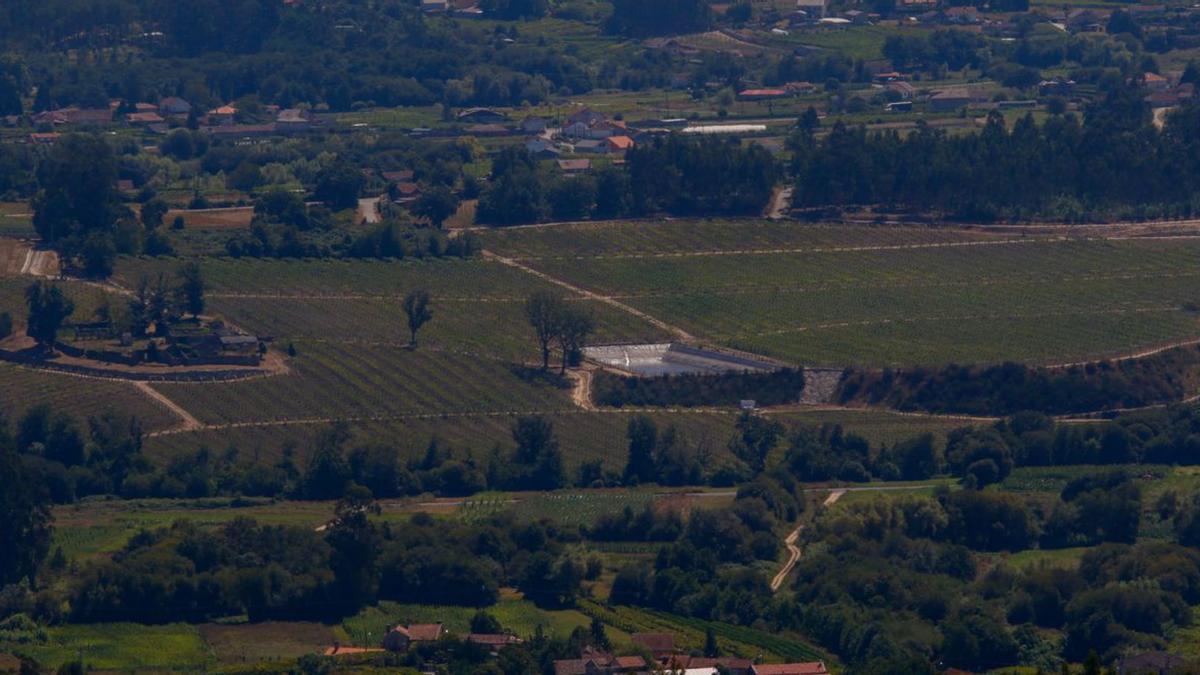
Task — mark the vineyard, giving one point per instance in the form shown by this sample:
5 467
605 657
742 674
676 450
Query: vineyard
495 327
576 509
80 397
475 279
690 633
1024 299
664 239
337 381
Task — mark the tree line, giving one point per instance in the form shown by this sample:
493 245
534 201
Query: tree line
1008 388
722 389
676 175
1113 164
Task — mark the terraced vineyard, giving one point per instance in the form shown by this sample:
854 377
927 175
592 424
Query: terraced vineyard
1035 300
332 381
81 397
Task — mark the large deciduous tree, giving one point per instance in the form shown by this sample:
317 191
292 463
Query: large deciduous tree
436 205
48 308
574 325
416 308
190 292
543 309
78 194
25 519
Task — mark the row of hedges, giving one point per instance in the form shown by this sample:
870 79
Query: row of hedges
1011 387
775 388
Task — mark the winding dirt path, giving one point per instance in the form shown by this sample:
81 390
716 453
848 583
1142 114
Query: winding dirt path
581 393
793 558
793 549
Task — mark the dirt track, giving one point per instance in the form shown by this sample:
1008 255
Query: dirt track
675 330
187 421
793 549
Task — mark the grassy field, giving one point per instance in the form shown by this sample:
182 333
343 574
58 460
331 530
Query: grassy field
869 296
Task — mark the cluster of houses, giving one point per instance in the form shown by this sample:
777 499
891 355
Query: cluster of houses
171 111
174 344
583 132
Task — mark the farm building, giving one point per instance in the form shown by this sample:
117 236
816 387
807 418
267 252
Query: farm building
399 638
480 116
574 167
650 360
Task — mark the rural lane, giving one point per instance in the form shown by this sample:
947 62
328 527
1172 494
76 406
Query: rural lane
793 549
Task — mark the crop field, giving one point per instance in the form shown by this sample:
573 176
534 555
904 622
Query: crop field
494 327
268 641
1026 299
574 509
213 219
332 277
337 381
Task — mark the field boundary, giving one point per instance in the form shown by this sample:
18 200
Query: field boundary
591 295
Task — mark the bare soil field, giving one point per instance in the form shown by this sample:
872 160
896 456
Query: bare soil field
235 218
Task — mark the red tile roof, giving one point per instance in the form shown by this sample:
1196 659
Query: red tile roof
655 642
620 142
424 632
